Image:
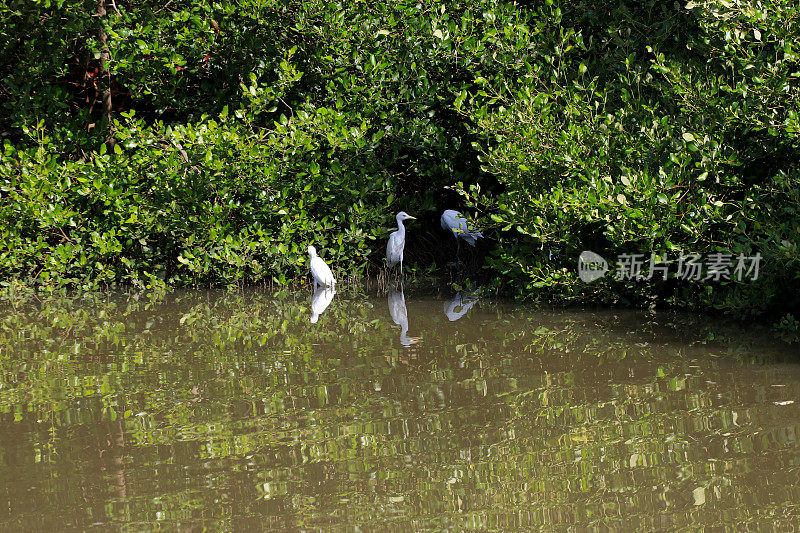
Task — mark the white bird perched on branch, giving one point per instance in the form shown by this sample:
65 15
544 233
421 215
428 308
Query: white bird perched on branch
319 270
457 224
397 242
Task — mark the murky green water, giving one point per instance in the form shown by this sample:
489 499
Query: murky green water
236 411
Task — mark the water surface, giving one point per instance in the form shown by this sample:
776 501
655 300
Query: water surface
255 411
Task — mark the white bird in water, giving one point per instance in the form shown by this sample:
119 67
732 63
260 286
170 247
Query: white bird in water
320 301
457 224
319 270
397 242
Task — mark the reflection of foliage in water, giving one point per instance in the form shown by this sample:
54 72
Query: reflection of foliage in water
232 410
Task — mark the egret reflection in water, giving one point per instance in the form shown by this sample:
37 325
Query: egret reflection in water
320 301
399 313
459 305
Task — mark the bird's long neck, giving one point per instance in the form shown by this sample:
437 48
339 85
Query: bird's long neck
400 227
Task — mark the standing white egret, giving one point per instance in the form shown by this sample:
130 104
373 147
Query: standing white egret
457 224
397 242
319 270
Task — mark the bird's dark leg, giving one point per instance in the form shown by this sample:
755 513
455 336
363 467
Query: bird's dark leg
458 250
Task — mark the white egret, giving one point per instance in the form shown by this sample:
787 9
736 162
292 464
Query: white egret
320 301
397 242
319 270
397 309
457 224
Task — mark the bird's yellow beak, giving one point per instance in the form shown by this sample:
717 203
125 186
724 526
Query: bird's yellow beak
409 216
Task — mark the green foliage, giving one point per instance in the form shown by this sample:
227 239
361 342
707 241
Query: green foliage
788 328
257 127
638 127
200 203
241 131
